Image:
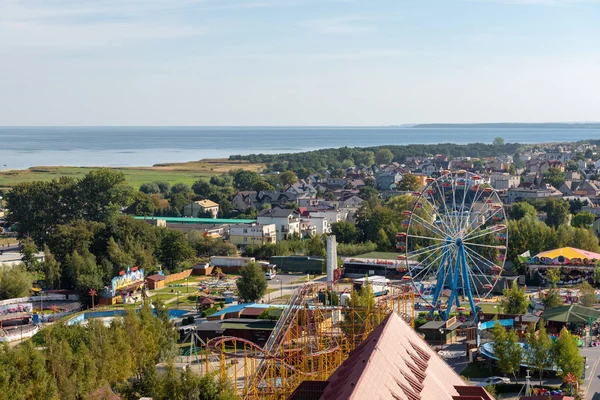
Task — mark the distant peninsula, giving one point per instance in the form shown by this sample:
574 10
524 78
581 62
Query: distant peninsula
513 125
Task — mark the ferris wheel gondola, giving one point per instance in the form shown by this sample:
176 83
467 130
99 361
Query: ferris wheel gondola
455 242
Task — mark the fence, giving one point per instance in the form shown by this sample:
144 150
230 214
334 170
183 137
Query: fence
178 276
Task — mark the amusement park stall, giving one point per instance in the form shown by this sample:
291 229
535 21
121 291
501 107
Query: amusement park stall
125 288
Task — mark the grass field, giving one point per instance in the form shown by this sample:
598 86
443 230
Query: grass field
379 254
188 172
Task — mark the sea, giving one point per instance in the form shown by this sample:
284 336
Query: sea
24 147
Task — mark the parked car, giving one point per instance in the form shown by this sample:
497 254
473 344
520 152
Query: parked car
270 275
493 380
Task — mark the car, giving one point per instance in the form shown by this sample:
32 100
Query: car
494 380
270 275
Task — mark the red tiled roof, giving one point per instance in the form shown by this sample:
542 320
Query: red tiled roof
395 363
207 300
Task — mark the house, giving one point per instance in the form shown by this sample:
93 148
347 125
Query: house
352 201
504 181
287 221
579 188
385 179
320 223
197 208
156 281
301 187
546 165
332 216
244 199
531 191
252 234
429 169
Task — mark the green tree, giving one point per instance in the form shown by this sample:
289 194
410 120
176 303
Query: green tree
587 295
15 282
314 246
142 205
149 188
498 141
51 269
554 176
181 187
557 211
566 355
515 300
28 252
521 210
583 220
507 349
202 188
409 182
552 299
364 158
346 232
288 178
252 284
174 248
540 346
383 156
245 180
102 194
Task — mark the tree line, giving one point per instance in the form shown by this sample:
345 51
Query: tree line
90 362
305 163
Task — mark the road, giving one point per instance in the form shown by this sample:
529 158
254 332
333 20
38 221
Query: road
285 284
591 384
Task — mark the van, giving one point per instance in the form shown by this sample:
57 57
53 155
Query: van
270 275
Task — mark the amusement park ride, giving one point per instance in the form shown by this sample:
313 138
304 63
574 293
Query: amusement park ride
454 244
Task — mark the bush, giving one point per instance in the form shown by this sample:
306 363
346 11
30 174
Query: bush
355 249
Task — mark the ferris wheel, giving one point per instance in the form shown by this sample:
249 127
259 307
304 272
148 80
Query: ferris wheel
455 243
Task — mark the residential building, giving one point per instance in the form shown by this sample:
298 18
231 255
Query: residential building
252 234
332 216
287 221
352 201
579 188
385 179
504 181
244 199
197 208
320 224
531 191
596 226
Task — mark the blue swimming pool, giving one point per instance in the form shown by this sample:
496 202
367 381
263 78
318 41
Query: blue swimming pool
115 313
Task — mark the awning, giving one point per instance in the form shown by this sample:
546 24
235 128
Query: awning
571 313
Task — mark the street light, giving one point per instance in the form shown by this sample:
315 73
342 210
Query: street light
441 342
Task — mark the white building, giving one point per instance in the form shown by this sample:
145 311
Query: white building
504 181
252 234
287 221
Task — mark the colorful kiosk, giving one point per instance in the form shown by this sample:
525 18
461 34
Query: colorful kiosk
128 287
575 265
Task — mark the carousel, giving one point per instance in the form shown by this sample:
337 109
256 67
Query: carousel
575 265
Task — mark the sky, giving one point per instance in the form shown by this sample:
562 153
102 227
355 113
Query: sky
297 62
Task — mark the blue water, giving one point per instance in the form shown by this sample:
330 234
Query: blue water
24 147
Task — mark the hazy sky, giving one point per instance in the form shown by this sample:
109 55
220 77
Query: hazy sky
298 62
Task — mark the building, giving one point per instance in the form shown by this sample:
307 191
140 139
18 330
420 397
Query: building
504 181
252 234
385 179
393 362
156 281
532 192
198 208
287 221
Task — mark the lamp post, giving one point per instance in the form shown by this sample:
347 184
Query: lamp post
441 340
92 294
178 299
